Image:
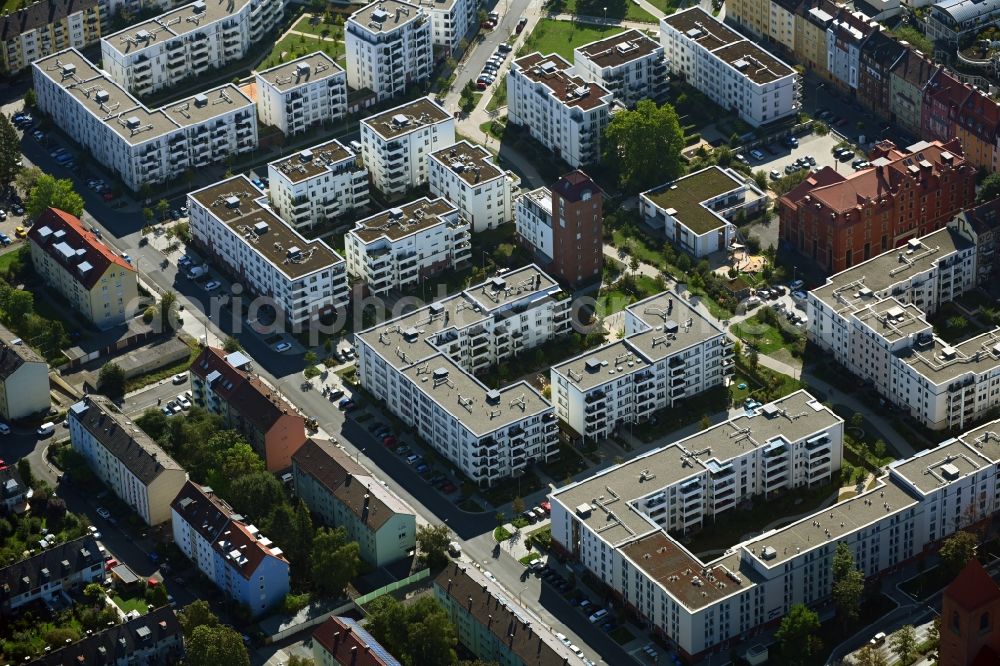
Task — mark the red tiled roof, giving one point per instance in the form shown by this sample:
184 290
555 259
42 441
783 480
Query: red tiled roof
96 253
973 587
350 645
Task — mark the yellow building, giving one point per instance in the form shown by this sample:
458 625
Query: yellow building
98 284
753 16
810 37
46 27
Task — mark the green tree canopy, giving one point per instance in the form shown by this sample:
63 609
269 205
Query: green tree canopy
418 634
10 150
957 551
797 636
870 656
433 543
335 560
111 380
903 644
196 614
256 495
231 345
644 145
990 188
51 192
215 646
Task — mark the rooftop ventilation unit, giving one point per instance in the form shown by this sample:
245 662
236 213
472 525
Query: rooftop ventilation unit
199 7
400 120
493 396
102 96
294 252
260 228
143 36
913 244
306 155
132 122
626 47
768 553
68 69
950 472
302 69
232 202
593 365
380 15
440 374
200 100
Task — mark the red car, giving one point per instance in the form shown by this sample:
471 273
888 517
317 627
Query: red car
546 507
109 196
389 441
448 487
110 564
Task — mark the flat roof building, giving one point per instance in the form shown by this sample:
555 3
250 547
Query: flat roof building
467 175
301 94
630 65
388 47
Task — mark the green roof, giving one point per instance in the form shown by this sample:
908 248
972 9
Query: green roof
685 195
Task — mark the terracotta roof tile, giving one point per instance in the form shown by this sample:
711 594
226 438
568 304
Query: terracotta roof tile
86 246
973 587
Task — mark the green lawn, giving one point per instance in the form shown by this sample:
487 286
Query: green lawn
561 37
319 28
294 46
619 298
499 96
501 534
132 604
768 338
8 258
666 6
615 9
167 371
527 559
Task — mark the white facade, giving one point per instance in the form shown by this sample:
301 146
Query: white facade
845 36
710 605
388 47
185 42
871 319
397 248
533 218
670 352
733 72
24 379
395 144
696 211
451 21
318 184
421 366
629 65
230 221
301 94
565 113
142 145
125 458
466 175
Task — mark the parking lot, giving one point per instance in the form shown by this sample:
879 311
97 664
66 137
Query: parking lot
777 156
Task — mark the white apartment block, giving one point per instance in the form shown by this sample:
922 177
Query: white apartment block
616 522
186 42
301 94
533 219
871 318
388 47
732 71
565 113
421 365
669 352
124 458
395 144
304 278
451 21
466 174
697 211
142 145
629 65
317 185
399 247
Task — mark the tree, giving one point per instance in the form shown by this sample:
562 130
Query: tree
705 422
256 494
167 304
215 646
24 471
10 150
645 145
517 505
51 192
797 636
26 179
231 345
162 207
990 189
94 592
310 358
147 214
30 99
296 660
18 305
335 560
196 614
241 460
903 643
157 595
418 634
847 596
869 656
753 358
111 380
433 542
957 551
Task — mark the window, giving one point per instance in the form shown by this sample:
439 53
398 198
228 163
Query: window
955 622
984 623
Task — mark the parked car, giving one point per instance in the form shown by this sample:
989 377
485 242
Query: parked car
180 378
529 516
211 285
103 513
757 155
403 450
796 285
520 25
546 506
346 404
775 174
183 401
20 231
4 428
282 346
389 441
799 295
46 429
413 459
598 616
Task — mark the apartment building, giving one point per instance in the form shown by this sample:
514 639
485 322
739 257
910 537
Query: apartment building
43 28
872 320
970 602
839 221
345 494
14 492
244 564
389 47
302 94
317 185
341 641
187 42
563 112
669 352
142 146
399 247
563 227
733 72
906 89
845 37
451 21
153 638
981 224
231 222
48 574
396 144
696 211
953 21
953 109
812 19
124 458
72 261
467 175
24 379
494 627
421 365
629 65
224 384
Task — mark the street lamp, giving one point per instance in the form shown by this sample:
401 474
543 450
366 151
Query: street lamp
605 14
816 101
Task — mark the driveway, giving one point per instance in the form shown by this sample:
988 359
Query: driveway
819 147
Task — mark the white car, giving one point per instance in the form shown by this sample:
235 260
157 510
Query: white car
562 639
180 378
183 401
103 513
282 346
799 295
212 285
94 533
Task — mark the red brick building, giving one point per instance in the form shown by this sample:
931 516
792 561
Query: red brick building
577 219
839 221
970 612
